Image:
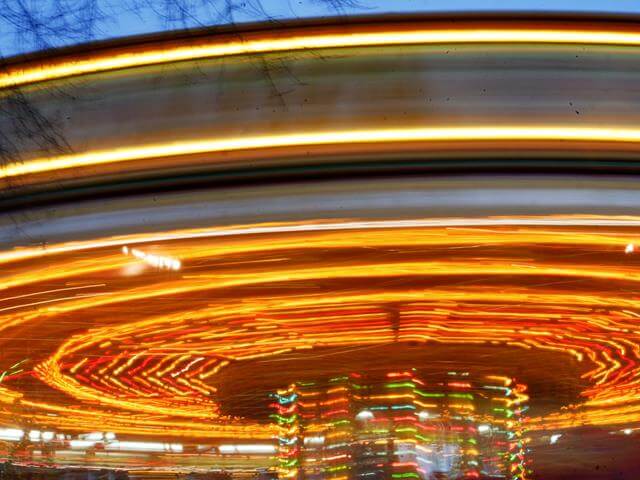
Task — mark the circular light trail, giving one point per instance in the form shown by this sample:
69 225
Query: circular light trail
525 133
247 43
527 293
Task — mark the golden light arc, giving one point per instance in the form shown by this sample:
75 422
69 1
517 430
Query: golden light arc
248 44
340 137
171 368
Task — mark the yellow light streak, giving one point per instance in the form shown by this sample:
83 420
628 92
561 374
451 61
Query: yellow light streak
270 43
337 137
149 358
378 226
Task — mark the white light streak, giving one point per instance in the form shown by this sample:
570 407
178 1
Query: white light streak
554 438
11 434
484 428
423 416
364 415
81 444
26 253
144 446
156 261
247 449
314 440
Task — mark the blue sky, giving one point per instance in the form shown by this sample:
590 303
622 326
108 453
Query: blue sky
120 19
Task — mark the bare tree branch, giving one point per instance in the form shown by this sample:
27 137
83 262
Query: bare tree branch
46 24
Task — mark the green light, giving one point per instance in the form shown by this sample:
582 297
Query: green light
403 407
282 419
400 385
468 396
406 429
341 422
337 468
429 395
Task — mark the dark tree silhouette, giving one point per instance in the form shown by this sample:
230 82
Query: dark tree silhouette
43 24
49 23
23 125
39 24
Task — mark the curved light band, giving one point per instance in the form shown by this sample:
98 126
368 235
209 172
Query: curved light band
17 76
339 137
27 253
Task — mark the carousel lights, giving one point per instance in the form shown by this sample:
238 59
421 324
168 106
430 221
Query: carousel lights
246 449
553 439
126 384
156 261
14 434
